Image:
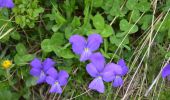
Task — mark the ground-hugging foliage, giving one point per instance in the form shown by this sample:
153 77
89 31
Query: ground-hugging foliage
136 30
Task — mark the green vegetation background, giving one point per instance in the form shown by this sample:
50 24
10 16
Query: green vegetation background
136 30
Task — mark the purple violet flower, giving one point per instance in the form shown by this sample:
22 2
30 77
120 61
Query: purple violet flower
100 73
119 71
166 71
39 68
6 4
85 48
56 80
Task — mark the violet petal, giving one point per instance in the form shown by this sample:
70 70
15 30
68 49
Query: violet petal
42 78
108 73
94 41
52 72
97 84
91 69
78 43
63 78
48 63
36 63
85 55
117 82
50 80
6 3
98 60
125 69
56 88
35 72
166 71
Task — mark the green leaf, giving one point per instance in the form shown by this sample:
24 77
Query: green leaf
85 29
57 39
8 95
146 21
125 26
167 6
21 50
26 93
133 30
86 14
107 31
115 8
97 3
28 57
22 60
5 38
104 54
107 5
135 14
75 22
160 37
15 35
165 25
91 31
169 34
36 12
31 25
98 21
114 40
46 45
110 17
117 40
120 34
143 5
55 28
65 53
69 7
127 47
31 81
68 32
106 45
167 55
4 16
17 59
58 17
23 21
66 68
131 4
18 19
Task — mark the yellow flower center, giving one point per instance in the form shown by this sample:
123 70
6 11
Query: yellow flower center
6 64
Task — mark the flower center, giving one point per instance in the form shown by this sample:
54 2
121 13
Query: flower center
56 83
99 77
42 74
117 76
86 49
